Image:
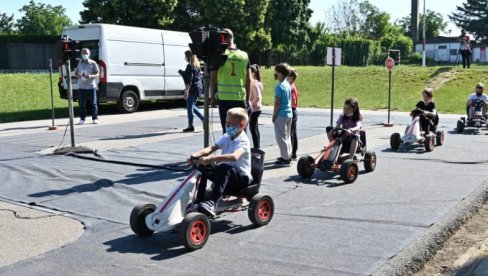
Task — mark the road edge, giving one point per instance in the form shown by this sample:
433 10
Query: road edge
413 258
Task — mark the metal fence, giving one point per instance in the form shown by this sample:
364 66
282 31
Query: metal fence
27 57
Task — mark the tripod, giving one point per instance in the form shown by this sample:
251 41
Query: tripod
466 54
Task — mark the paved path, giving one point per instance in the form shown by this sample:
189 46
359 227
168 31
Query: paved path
321 226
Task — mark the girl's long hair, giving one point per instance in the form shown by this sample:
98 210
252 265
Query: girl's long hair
257 71
192 59
352 102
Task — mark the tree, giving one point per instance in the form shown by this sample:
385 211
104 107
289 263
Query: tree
473 17
345 18
6 23
139 13
376 23
434 24
288 22
42 19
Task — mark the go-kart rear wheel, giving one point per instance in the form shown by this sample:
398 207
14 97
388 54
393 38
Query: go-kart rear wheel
194 230
395 141
369 161
138 219
306 166
439 138
429 143
261 210
349 171
460 126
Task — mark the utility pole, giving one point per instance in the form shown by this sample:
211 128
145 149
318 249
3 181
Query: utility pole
423 43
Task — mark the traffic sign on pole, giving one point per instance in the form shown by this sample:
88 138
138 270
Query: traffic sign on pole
389 64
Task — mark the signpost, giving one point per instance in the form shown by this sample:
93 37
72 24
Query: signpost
52 127
389 64
334 59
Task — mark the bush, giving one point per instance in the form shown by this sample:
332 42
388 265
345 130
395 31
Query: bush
415 58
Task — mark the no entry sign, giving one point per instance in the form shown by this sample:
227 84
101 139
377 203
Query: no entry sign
390 63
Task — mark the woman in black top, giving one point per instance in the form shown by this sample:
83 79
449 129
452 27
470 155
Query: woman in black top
429 118
193 87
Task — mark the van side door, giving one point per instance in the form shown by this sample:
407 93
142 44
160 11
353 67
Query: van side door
175 45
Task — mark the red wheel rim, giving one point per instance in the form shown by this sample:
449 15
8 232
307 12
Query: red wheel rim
351 172
198 231
264 210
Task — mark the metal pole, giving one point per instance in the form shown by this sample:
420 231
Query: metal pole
70 102
389 95
206 113
52 127
332 94
423 44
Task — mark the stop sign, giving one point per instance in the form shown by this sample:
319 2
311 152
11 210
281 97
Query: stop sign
390 63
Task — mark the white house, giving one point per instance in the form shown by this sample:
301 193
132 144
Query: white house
445 49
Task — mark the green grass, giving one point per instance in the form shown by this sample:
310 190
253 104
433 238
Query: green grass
370 86
27 96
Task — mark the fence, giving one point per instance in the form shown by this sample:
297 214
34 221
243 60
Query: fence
27 57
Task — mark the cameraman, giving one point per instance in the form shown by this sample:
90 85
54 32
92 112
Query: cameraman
465 48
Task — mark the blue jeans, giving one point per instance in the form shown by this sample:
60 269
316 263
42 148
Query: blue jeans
83 95
191 108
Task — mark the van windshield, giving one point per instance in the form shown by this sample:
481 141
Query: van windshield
93 46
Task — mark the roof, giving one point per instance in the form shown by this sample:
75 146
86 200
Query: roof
440 39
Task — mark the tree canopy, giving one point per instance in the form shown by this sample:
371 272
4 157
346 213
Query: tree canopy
434 24
6 23
42 19
473 17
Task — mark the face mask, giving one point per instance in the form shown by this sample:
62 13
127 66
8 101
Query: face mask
231 130
348 114
84 57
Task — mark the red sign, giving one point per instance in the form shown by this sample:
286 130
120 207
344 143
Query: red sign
390 63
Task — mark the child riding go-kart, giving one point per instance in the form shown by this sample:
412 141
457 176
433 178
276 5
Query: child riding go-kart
477 120
414 134
335 157
180 210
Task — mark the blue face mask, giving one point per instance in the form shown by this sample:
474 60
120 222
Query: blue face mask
231 130
84 57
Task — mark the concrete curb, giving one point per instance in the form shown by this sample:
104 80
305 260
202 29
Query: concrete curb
413 258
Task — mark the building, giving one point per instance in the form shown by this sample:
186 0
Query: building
445 49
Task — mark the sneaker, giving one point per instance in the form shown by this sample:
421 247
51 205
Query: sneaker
207 207
82 122
283 162
294 157
95 121
189 129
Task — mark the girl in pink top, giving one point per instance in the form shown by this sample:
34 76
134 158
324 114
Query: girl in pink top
294 105
255 98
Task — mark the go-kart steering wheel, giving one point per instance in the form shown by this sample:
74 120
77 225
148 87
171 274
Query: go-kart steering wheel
338 132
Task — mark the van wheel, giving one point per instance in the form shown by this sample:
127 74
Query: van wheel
128 102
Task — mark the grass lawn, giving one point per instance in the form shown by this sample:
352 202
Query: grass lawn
370 86
27 96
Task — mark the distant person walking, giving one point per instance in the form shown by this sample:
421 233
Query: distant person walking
231 83
192 77
87 71
294 105
255 98
282 113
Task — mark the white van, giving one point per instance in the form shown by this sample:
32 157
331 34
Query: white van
136 64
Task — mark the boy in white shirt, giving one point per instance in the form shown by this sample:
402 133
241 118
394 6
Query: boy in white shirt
478 95
233 171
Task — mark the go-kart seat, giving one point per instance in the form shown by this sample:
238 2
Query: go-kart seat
257 168
362 143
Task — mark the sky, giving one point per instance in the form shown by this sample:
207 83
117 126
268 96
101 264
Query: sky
396 8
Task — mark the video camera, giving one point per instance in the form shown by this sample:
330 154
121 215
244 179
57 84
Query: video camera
209 44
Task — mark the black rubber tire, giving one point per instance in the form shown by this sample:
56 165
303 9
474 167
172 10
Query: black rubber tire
395 141
191 229
128 102
261 210
439 138
349 171
305 166
138 219
460 126
370 161
429 143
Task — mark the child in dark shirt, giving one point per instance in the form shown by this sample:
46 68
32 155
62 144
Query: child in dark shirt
429 118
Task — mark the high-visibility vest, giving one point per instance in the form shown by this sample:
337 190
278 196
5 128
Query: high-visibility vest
231 77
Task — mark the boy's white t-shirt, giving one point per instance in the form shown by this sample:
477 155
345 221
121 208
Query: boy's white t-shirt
474 97
227 145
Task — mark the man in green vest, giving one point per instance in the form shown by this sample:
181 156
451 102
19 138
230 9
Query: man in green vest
231 83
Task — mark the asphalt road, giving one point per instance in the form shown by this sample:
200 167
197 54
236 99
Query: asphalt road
321 227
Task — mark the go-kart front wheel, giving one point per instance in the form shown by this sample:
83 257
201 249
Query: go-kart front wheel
194 230
429 143
369 161
138 219
460 126
261 210
395 141
349 171
306 166
439 138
